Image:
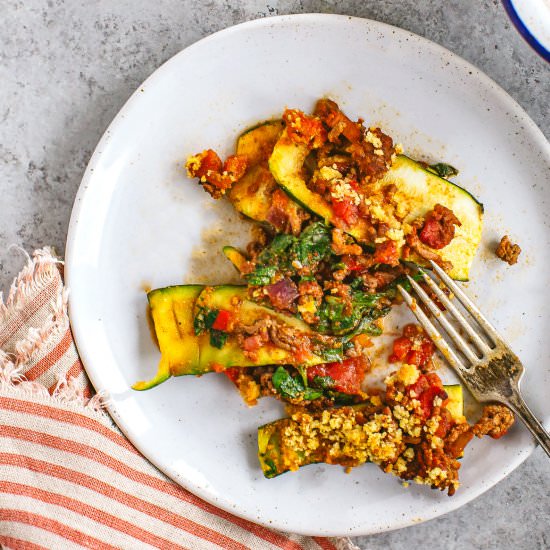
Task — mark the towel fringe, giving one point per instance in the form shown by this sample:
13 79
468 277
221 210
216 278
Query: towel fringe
31 279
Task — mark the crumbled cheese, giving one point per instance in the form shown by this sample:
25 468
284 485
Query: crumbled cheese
409 453
373 140
193 164
377 212
341 190
432 424
329 173
408 374
395 234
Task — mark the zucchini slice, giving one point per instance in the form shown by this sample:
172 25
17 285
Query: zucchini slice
252 194
257 143
233 299
172 313
276 458
236 257
418 191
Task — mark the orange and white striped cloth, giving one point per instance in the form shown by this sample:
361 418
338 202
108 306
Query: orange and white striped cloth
68 477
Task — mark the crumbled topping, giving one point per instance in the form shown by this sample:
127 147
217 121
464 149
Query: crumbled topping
341 190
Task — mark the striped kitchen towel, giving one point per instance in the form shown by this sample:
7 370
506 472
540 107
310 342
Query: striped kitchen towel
68 477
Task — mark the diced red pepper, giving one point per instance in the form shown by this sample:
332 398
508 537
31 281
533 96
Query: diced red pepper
222 320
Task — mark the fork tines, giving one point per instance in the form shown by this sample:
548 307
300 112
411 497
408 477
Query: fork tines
473 351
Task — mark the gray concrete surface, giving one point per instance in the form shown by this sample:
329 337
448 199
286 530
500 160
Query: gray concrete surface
66 68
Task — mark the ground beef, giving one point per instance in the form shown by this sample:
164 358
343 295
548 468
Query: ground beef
371 151
495 421
343 244
425 252
285 215
507 251
439 227
215 177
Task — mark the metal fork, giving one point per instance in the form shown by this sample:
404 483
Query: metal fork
486 365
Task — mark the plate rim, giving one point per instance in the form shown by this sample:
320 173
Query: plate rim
70 254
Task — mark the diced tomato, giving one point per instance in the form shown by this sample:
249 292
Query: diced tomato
236 166
401 348
302 128
427 399
411 330
346 211
439 227
432 235
352 264
232 373
387 253
209 161
347 375
222 320
217 367
413 348
426 389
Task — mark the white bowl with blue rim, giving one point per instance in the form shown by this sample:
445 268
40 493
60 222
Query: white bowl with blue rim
532 19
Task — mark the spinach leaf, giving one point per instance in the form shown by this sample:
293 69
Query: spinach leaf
310 394
262 275
323 382
292 387
335 319
204 320
218 338
443 170
277 247
273 259
280 256
313 244
341 398
287 385
331 355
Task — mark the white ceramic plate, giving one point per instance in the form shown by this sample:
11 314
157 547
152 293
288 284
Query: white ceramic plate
138 221
532 20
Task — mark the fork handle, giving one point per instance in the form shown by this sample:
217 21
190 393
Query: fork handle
517 404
